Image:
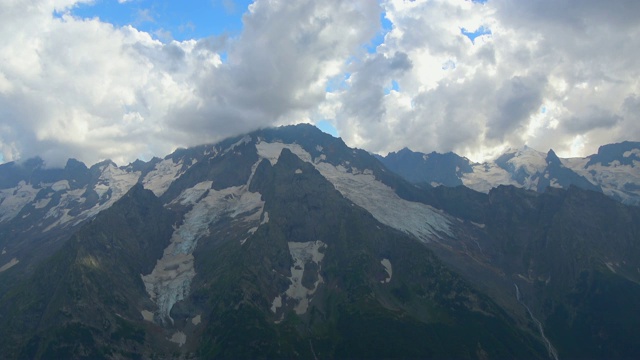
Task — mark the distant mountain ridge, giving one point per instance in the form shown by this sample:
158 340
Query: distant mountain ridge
614 170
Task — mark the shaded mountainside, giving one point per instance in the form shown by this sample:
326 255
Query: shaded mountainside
84 297
287 243
573 256
81 302
424 311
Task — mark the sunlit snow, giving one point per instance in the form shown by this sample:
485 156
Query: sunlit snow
271 151
421 220
486 176
161 177
611 178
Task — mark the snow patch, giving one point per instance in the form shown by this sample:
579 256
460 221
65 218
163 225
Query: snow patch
179 338
271 151
298 171
190 196
42 203
147 315
319 148
635 152
196 320
101 189
487 176
387 267
420 220
9 265
554 183
161 177
302 254
60 185
14 199
277 302
61 211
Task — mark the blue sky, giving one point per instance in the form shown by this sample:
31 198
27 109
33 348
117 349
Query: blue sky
194 19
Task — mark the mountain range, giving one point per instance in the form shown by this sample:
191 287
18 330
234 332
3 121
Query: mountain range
614 170
287 243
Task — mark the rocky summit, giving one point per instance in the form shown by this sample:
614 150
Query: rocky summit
286 243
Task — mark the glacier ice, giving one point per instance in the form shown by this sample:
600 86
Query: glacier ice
170 280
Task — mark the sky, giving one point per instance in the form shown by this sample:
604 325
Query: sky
129 79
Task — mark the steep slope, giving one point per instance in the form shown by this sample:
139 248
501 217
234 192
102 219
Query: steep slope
45 206
312 281
570 257
434 168
84 301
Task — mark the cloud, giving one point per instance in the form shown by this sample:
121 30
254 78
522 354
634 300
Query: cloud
73 83
83 88
516 100
592 118
545 73
278 68
576 62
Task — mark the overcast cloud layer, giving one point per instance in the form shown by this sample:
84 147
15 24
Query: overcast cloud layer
552 74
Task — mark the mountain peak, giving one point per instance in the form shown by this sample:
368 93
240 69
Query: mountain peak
625 153
552 158
75 165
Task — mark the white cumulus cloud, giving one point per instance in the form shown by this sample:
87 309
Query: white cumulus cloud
551 73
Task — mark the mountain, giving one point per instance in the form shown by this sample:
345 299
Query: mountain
287 243
614 171
439 169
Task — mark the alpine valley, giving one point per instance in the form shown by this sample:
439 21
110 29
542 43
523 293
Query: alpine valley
286 243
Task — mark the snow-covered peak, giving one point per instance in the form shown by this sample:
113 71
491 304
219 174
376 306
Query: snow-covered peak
528 159
163 174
